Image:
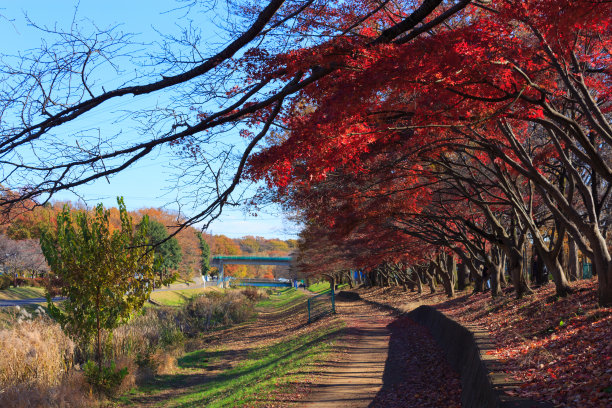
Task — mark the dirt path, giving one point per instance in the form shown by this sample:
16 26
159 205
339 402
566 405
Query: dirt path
389 362
355 381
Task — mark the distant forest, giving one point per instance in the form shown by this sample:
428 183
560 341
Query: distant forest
20 253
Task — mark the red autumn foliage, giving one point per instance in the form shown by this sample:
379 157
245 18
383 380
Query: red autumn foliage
557 349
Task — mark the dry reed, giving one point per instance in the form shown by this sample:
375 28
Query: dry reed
35 367
34 353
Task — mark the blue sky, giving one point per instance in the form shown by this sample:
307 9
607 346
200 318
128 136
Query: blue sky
148 183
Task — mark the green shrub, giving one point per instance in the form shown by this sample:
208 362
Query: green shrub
213 294
5 282
106 380
214 309
53 285
171 336
146 362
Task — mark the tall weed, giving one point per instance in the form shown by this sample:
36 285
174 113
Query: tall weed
35 367
214 309
71 392
34 353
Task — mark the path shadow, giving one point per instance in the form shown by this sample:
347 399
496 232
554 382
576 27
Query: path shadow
416 372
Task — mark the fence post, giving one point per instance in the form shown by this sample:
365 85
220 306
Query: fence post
333 300
309 311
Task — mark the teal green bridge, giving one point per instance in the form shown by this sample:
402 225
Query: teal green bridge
270 283
219 261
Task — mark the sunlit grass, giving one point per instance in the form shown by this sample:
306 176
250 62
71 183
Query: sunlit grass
321 287
176 297
24 292
263 372
280 298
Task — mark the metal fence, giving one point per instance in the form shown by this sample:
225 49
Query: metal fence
587 270
320 305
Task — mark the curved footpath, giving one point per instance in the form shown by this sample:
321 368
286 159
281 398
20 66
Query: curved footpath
355 381
389 362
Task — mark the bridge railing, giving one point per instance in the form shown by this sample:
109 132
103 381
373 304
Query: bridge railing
256 258
260 282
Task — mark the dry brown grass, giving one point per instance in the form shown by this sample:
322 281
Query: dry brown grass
165 362
35 367
35 353
129 381
138 336
71 392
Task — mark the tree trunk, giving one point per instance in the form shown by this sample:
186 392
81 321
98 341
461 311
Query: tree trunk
461 276
447 282
602 263
371 276
350 279
503 279
419 282
450 264
554 268
495 269
98 330
537 270
519 280
501 260
478 280
494 272
442 270
431 278
332 281
573 266
411 282
604 291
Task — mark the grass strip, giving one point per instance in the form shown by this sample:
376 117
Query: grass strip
24 292
264 372
270 372
321 287
281 298
176 297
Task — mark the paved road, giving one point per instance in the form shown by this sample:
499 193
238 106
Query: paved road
23 302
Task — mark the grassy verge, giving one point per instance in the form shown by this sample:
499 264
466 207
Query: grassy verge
266 373
321 287
25 292
281 298
176 297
